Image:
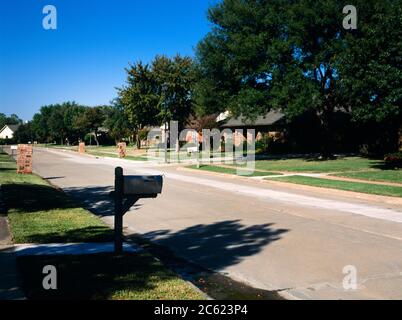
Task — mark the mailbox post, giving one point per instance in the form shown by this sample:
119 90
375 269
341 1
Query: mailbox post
118 210
127 191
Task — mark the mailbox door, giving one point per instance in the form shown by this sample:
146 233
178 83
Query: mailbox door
142 185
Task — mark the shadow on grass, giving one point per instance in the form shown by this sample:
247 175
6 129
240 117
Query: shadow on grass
87 234
99 276
35 197
386 166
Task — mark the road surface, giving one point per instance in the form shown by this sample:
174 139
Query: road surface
268 236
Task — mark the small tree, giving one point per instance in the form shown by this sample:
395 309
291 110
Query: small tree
117 122
91 120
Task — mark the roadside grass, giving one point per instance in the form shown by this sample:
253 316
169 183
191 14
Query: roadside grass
106 277
383 190
374 175
6 163
314 165
40 213
101 151
115 155
233 171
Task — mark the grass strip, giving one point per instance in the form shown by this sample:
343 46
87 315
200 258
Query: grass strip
382 190
242 172
378 175
315 165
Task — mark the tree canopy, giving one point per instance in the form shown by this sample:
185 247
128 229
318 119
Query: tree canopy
12 119
296 56
158 92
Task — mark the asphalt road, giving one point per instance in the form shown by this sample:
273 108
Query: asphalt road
271 237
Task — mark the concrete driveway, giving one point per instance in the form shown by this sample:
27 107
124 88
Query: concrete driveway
268 236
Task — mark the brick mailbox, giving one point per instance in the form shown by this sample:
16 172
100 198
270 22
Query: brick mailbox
127 191
81 147
24 158
122 146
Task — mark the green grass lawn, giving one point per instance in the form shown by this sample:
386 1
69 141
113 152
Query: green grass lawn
105 276
233 171
344 185
39 213
375 175
313 165
116 155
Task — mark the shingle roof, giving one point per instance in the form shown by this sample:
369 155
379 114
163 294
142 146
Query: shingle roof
272 117
13 127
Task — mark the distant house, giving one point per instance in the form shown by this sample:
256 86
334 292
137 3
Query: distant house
7 132
271 123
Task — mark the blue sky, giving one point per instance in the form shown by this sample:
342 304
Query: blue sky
84 59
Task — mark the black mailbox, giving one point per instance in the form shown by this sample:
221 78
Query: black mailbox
143 186
127 191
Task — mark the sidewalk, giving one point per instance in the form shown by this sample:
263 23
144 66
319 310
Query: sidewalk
9 278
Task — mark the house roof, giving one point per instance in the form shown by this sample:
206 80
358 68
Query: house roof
271 118
13 127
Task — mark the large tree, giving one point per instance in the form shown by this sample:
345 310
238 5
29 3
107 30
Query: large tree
175 79
159 92
57 123
296 56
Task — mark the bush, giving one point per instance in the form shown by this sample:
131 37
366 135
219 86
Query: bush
394 159
261 146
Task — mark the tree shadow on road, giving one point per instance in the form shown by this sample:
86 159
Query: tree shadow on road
217 245
199 251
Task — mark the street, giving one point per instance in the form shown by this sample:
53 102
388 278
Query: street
265 235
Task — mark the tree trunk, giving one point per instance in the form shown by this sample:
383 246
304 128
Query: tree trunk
325 134
96 138
138 141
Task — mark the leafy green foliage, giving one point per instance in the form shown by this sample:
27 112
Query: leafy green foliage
57 123
12 119
296 56
117 122
90 121
159 92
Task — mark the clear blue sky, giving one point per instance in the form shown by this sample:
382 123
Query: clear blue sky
84 59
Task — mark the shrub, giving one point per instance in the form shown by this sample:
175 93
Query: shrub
261 146
394 159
